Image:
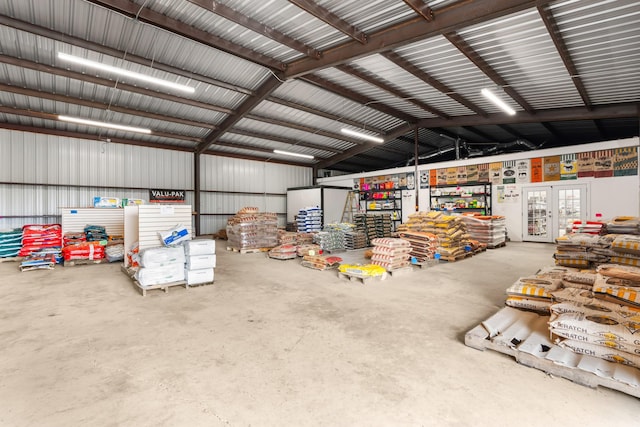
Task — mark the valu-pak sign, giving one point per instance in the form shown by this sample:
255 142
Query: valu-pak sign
166 196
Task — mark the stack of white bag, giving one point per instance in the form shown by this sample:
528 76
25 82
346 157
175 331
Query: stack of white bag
159 266
201 260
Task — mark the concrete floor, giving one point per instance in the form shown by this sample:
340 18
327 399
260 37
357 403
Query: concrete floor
276 344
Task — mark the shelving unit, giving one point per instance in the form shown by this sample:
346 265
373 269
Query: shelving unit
461 198
383 201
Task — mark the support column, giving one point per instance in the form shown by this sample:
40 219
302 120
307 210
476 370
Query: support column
196 190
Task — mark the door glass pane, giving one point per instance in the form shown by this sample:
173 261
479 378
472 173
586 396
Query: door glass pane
537 213
568 208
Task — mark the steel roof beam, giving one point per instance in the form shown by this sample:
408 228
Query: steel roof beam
321 113
484 66
613 111
332 19
135 11
96 47
243 20
561 47
277 138
109 83
260 95
354 96
54 117
444 89
421 9
449 18
101 106
379 83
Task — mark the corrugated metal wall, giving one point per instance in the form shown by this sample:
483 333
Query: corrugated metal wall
229 184
41 173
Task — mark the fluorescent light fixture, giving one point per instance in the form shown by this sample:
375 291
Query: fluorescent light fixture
289 153
123 72
103 124
362 135
499 102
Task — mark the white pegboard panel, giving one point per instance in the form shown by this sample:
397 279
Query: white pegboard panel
76 219
144 222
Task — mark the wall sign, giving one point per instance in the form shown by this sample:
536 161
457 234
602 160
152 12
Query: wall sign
626 162
522 171
166 196
585 165
509 172
552 168
568 167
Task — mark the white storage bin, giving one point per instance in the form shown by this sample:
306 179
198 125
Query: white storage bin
200 247
196 277
196 262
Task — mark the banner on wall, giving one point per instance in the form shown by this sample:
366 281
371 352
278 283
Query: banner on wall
626 162
442 176
536 169
495 172
462 174
511 194
603 163
472 174
522 171
484 174
509 172
568 167
585 164
552 168
452 176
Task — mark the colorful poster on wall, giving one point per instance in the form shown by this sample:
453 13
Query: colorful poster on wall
536 169
424 179
442 176
484 174
603 163
495 172
452 176
472 174
568 167
552 168
585 164
522 171
462 174
433 177
626 162
509 172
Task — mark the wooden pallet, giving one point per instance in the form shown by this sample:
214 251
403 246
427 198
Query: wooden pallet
74 262
457 257
525 337
248 251
426 264
165 287
362 279
499 245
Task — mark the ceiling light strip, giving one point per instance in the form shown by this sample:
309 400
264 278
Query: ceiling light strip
103 124
289 153
499 102
126 73
361 135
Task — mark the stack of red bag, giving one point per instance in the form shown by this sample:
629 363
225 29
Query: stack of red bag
86 250
73 238
40 236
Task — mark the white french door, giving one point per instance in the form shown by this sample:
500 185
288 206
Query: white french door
548 209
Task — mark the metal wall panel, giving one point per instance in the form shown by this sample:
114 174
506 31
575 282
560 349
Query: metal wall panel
49 159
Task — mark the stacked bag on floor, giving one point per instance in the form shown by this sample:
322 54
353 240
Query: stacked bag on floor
603 321
200 257
488 230
161 265
391 253
582 250
40 238
251 229
10 243
534 293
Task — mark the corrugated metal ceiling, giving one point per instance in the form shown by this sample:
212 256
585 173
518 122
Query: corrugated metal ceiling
244 90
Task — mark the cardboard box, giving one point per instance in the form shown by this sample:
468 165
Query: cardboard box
196 277
106 202
196 262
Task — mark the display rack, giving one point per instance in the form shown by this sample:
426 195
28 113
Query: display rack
461 198
383 201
